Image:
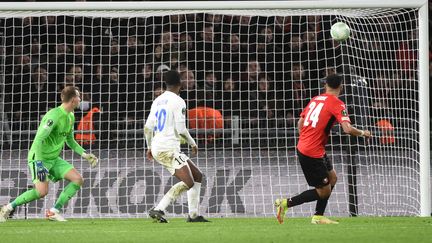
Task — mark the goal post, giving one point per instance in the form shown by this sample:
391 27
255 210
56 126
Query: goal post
424 112
251 161
209 6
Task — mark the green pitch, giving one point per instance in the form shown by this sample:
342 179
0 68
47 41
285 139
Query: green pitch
362 229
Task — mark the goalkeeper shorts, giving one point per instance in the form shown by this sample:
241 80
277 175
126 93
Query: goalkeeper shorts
57 169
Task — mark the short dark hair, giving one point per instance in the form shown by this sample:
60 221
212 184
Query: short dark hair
334 81
68 93
172 78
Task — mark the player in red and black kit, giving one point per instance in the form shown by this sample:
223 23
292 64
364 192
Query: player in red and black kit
314 125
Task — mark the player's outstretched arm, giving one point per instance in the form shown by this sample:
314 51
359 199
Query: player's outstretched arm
182 131
180 126
72 144
347 128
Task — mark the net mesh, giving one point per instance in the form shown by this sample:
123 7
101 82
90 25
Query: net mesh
249 72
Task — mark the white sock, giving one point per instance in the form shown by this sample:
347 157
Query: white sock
193 196
54 210
172 195
9 206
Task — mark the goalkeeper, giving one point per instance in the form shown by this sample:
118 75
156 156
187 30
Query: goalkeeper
44 162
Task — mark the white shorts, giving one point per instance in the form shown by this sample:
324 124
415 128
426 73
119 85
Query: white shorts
171 160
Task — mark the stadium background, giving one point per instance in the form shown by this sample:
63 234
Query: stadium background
117 63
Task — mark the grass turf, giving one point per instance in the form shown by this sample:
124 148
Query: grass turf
361 229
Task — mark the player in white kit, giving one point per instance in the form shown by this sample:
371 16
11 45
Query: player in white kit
164 129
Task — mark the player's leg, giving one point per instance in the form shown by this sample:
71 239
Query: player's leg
321 205
75 182
186 181
196 173
176 164
316 174
193 194
322 202
320 192
64 170
40 190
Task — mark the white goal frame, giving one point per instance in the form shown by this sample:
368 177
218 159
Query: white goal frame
423 71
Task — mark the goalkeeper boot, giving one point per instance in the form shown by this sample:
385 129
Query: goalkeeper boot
54 215
197 219
5 212
157 216
281 207
319 219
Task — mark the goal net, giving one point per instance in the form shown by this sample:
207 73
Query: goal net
246 77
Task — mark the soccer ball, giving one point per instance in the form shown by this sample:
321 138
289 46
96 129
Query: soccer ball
340 31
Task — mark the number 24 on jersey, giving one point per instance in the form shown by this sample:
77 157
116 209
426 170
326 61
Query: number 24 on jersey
312 116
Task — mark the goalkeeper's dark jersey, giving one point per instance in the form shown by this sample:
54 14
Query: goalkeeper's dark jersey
319 117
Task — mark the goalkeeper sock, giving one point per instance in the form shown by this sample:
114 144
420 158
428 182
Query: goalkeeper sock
321 205
304 197
172 195
26 197
69 191
193 196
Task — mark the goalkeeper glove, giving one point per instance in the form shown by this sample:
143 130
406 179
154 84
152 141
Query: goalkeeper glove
41 171
91 158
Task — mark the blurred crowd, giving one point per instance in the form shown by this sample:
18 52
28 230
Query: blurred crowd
262 69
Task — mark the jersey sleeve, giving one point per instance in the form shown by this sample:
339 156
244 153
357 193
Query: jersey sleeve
71 142
49 121
180 112
180 123
149 126
339 110
151 119
180 117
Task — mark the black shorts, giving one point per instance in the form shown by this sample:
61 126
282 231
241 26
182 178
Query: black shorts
315 170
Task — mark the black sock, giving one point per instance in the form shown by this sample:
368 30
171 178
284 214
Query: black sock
321 205
306 196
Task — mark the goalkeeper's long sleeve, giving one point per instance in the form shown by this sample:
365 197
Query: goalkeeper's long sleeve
72 144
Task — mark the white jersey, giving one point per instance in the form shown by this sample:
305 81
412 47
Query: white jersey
166 118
